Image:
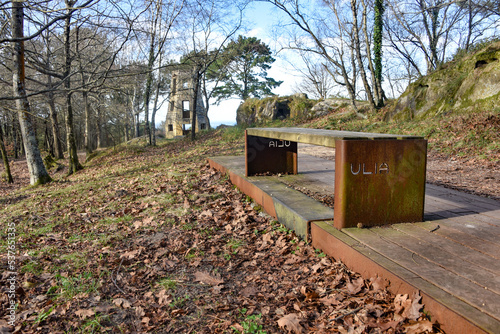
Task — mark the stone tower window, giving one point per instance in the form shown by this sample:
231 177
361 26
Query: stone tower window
170 127
174 85
185 109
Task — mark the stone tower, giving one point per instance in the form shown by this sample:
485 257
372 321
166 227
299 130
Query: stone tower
178 122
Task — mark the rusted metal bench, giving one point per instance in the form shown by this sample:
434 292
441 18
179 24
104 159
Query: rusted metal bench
379 178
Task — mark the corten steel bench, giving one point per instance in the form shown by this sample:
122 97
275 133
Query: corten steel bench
379 178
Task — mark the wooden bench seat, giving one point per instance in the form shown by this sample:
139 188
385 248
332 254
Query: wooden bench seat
379 178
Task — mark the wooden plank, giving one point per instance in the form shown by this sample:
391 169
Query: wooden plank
455 196
462 238
465 253
443 211
464 216
443 307
320 136
473 225
465 208
487 232
482 299
444 258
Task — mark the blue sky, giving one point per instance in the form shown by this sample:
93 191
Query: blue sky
260 19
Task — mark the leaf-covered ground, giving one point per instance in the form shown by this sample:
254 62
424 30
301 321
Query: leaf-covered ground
150 240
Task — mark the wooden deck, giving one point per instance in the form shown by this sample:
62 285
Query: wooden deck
453 257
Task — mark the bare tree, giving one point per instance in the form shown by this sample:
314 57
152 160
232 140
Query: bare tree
38 173
425 27
208 25
328 34
41 57
5 158
316 79
163 14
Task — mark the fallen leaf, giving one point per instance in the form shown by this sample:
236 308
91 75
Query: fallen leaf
291 323
353 287
424 326
103 308
412 311
267 238
131 254
390 324
329 301
206 278
316 267
400 303
249 291
238 327
294 259
310 295
163 297
122 302
378 283
83 314
139 311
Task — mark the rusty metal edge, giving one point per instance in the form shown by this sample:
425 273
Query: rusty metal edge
260 197
333 242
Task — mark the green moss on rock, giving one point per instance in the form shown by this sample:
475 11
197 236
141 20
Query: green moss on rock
469 81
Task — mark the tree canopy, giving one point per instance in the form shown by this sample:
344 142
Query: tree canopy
242 70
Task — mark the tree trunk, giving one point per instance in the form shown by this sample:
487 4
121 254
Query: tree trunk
55 128
194 104
357 52
38 173
99 126
469 26
74 164
125 130
147 91
153 114
15 138
375 65
137 124
48 139
8 175
88 145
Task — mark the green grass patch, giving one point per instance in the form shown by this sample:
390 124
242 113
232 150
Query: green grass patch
69 287
168 283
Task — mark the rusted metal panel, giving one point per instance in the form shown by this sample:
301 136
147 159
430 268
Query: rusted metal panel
266 155
379 182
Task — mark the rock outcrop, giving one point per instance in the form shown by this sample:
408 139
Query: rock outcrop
471 83
254 110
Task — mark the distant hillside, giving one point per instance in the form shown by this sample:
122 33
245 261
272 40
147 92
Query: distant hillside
471 83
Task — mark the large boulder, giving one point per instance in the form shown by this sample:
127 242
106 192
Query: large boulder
271 108
470 83
325 107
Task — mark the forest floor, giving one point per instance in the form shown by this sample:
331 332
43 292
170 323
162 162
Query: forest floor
152 240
